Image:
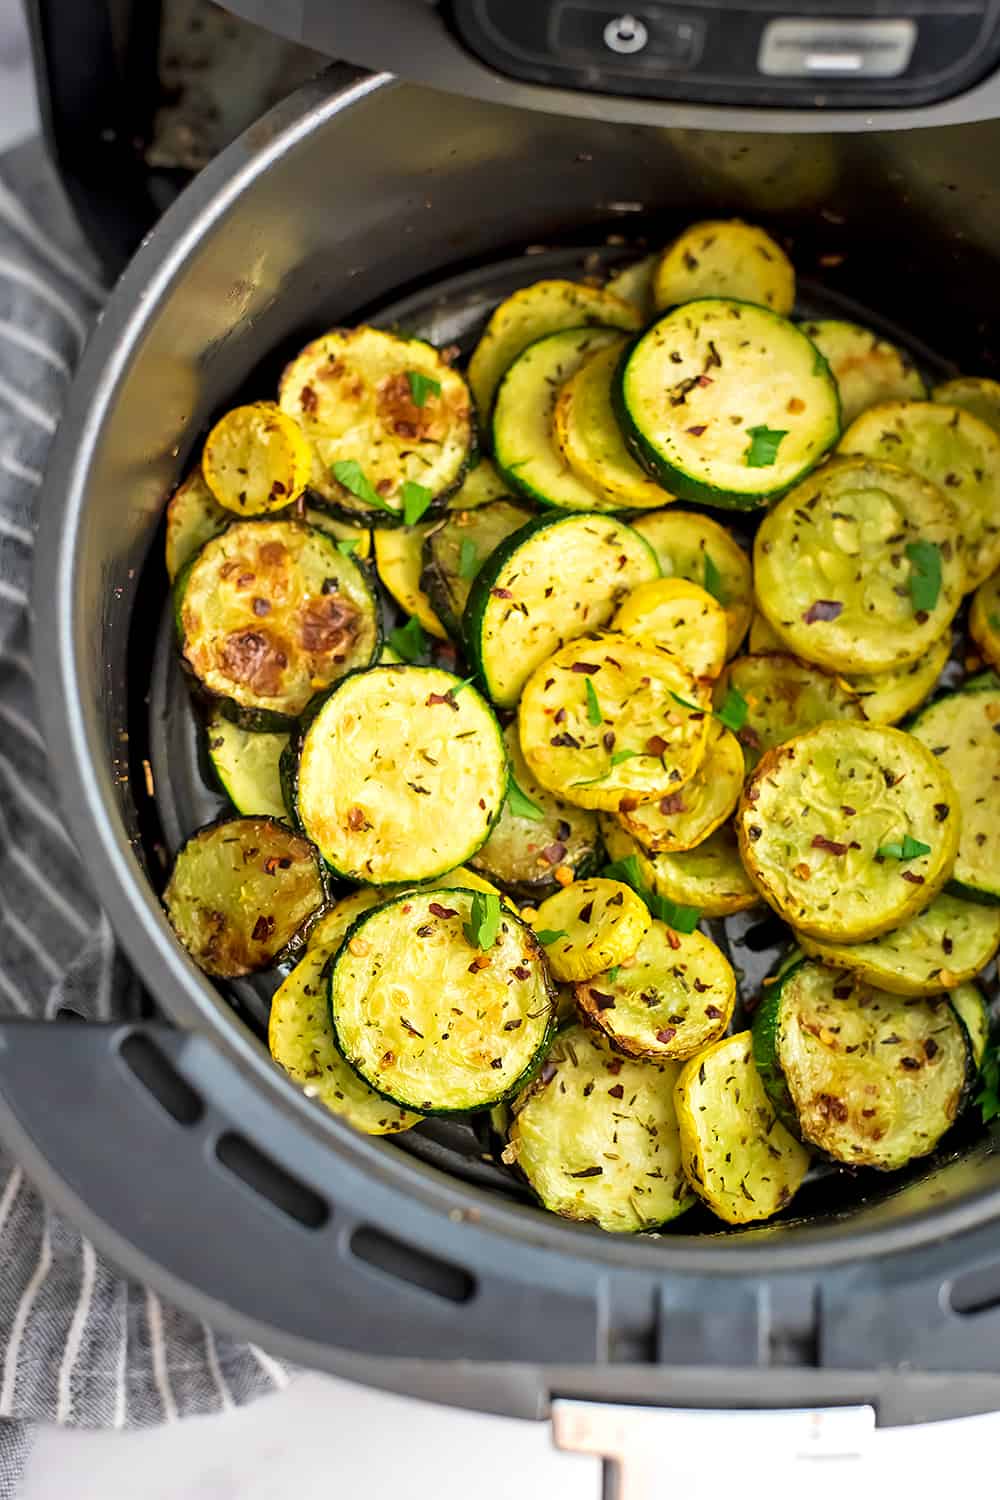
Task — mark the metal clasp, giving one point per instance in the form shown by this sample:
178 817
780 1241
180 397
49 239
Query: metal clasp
635 1441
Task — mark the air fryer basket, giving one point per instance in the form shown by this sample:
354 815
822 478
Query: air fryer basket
181 1149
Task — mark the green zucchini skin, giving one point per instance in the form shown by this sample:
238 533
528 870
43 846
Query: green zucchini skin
674 477
247 767
969 1004
540 1019
764 1032
485 527
924 726
644 567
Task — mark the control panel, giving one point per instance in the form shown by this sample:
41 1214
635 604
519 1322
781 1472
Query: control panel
813 54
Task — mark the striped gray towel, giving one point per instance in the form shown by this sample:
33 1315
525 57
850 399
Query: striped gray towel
79 1343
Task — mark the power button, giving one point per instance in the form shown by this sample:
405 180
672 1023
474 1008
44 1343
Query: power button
626 34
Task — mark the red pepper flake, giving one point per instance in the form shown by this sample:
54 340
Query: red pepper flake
704 380
271 864
586 668
830 845
614 1067
262 928
425 930
512 1025
261 607
608 739
699 987
672 938
823 609
749 737
930 1048
912 878
842 991
696 431
501 593
435 698
520 972
496 1062
849 812
547 1073
308 399
941 811
565 741
481 961
911 1064
356 819
801 871
713 1012
601 1000
616 1091
586 912
667 1034
559 717
656 744
437 910
553 854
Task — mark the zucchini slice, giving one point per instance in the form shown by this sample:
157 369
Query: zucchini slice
738 1157
194 517
589 438
398 558
430 1019
961 732
725 258
256 460
664 1002
401 776
872 1079
271 613
970 1007
684 819
606 721
710 877
867 369
885 697
455 549
527 847
634 284
532 312
328 932
727 403
951 449
241 894
838 567
300 1039
248 767
698 548
981 397
784 697
984 619
947 943
599 924
381 413
849 829
681 618
596 1136
547 584
480 486
524 434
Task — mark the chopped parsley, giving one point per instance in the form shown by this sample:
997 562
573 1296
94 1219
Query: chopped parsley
988 1097
695 709
734 710
349 473
764 445
620 756
409 640
613 974
925 574
484 920
422 386
547 935
680 918
994 622
713 580
910 848
416 499
593 707
348 545
520 805
468 559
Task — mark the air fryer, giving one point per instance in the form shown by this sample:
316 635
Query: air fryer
515 140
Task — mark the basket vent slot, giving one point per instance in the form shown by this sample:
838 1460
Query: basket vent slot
407 1263
271 1181
157 1073
976 1292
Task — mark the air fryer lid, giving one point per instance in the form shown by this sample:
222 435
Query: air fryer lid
724 64
236 1195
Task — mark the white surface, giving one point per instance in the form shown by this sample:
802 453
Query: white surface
324 1439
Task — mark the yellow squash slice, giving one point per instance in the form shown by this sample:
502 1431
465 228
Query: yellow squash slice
981 397
599 923
679 617
784 697
606 721
984 619
399 559
696 547
867 369
589 438
256 460
725 258
684 819
710 877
